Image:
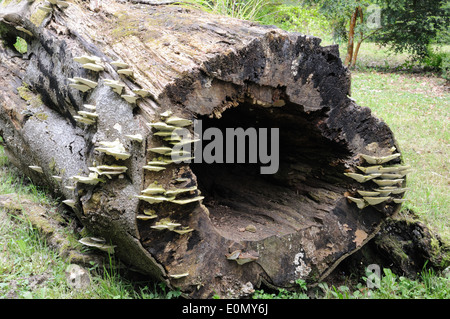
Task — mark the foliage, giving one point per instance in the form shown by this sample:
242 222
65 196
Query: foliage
411 25
296 17
241 9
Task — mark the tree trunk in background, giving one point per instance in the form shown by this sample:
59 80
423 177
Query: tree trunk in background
351 38
294 224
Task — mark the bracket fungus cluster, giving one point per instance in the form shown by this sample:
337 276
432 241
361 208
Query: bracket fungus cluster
387 178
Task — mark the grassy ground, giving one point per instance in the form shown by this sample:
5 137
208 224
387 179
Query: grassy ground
416 106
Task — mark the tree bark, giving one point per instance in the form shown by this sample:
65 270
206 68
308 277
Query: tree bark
295 224
351 38
361 39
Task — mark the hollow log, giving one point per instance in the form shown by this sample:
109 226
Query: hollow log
79 113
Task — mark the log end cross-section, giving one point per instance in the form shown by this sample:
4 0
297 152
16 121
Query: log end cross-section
92 111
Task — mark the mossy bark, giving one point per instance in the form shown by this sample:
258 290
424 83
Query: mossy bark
227 73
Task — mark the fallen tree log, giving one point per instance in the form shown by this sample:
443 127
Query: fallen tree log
86 110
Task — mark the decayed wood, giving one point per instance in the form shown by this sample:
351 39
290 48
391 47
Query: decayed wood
294 224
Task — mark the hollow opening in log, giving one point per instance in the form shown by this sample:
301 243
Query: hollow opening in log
247 205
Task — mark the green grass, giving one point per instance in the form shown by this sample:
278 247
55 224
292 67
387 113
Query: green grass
417 109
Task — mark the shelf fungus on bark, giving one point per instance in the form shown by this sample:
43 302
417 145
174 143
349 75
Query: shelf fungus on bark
153 199
130 98
395 169
91 179
362 178
153 168
368 193
146 217
57 178
370 169
117 87
161 126
120 64
84 120
399 200
93 67
109 170
91 115
153 189
360 203
115 149
178 276
62 4
97 243
69 202
379 160
177 121
141 92
83 81
165 223
158 162
36 169
136 137
84 59
242 257
185 201
46 8
161 150
20 28
90 107
388 182
375 200
177 191
80 87
127 72
183 230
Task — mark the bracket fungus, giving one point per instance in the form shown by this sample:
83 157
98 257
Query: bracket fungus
115 149
176 121
57 178
127 72
46 8
36 169
84 59
62 4
141 92
80 87
109 170
117 87
130 98
362 178
119 64
136 137
87 82
91 179
20 28
153 168
153 199
97 243
69 202
93 67
161 126
153 189
178 276
379 160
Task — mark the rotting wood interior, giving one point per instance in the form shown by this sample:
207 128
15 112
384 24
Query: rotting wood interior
304 189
